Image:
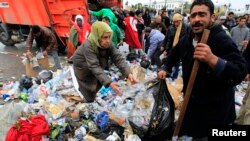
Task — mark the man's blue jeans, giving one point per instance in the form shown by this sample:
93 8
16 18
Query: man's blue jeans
55 56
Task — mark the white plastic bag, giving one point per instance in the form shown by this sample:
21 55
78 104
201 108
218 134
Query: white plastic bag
132 138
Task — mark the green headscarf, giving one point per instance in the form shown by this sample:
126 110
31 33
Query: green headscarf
98 29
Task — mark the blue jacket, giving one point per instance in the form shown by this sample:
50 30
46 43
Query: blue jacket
156 39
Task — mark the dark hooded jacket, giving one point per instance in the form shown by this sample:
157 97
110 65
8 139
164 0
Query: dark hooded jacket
147 19
246 55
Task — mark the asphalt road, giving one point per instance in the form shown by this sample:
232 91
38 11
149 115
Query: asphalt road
11 66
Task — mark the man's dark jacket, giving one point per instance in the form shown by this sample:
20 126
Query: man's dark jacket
212 97
169 38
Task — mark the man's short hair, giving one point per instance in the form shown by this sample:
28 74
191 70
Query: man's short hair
242 17
153 25
231 13
147 29
131 13
138 12
208 3
35 29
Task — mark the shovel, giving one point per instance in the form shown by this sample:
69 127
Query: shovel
195 68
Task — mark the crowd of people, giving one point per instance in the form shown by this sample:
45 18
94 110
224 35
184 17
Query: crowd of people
224 59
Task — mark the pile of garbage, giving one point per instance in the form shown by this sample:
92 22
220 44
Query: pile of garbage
240 92
49 107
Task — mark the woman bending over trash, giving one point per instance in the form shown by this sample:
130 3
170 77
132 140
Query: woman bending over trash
91 60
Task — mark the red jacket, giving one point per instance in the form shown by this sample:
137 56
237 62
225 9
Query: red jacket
131 35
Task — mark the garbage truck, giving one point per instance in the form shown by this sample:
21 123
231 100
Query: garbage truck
18 15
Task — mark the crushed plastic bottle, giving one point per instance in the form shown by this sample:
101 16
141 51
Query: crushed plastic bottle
80 133
6 97
101 120
14 90
24 96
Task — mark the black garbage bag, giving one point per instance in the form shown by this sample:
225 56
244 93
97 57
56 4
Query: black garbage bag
25 82
145 63
44 75
132 56
104 133
161 123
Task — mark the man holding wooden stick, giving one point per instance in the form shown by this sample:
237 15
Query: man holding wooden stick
221 67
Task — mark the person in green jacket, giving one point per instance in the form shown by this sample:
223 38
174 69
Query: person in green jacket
117 34
105 12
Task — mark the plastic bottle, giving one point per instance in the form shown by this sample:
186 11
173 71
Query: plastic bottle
102 120
1 84
5 97
24 96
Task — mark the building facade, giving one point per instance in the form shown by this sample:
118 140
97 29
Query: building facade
169 4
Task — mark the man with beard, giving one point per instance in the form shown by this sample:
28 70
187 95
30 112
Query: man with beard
221 68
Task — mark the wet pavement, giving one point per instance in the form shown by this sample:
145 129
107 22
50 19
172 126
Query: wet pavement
11 66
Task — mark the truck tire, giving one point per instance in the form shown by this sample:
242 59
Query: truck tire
5 37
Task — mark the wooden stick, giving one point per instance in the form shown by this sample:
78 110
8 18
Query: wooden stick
189 88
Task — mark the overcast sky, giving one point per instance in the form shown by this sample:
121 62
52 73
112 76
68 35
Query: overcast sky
235 4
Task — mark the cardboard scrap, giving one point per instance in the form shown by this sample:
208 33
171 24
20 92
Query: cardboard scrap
176 92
